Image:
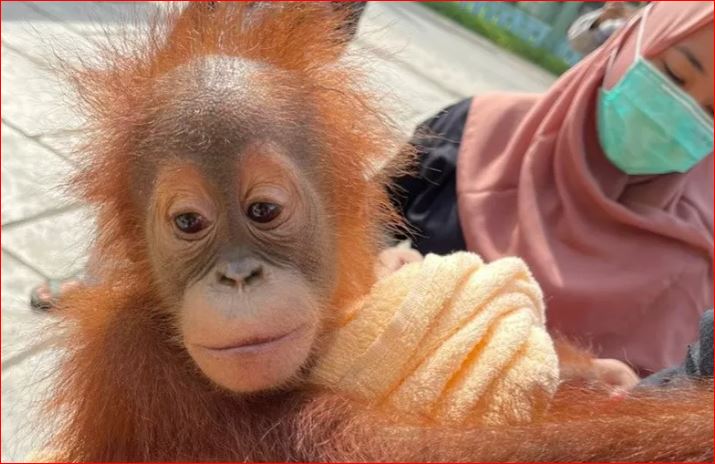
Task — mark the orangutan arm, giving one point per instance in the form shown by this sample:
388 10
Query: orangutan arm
582 425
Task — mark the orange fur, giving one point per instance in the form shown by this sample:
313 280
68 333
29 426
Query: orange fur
127 390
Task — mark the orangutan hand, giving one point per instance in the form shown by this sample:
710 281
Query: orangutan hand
392 259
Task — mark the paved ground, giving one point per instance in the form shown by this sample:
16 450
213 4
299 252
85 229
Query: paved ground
421 61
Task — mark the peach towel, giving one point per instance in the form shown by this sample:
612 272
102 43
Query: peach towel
450 340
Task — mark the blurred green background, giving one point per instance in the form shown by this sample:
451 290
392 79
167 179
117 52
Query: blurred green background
535 31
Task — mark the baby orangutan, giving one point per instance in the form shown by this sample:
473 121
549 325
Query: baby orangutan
231 160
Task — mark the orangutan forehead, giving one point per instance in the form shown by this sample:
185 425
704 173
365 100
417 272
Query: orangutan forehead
257 161
212 108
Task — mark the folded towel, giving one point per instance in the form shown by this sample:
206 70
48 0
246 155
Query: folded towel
448 340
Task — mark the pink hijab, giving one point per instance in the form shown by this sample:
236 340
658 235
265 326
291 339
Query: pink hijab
625 262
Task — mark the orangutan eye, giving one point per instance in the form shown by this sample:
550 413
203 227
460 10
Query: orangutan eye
190 223
262 212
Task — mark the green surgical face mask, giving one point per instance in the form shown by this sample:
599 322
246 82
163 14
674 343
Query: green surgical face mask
649 125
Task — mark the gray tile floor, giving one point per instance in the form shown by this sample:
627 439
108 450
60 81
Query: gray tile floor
420 61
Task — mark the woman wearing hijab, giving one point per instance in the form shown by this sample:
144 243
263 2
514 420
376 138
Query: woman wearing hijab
603 185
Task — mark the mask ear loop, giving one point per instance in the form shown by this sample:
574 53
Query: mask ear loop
641 30
639 37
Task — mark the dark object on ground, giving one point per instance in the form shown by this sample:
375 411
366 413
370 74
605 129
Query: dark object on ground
43 298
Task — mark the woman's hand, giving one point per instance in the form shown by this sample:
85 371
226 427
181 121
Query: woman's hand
615 374
578 366
392 259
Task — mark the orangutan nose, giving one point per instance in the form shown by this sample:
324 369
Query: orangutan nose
243 272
